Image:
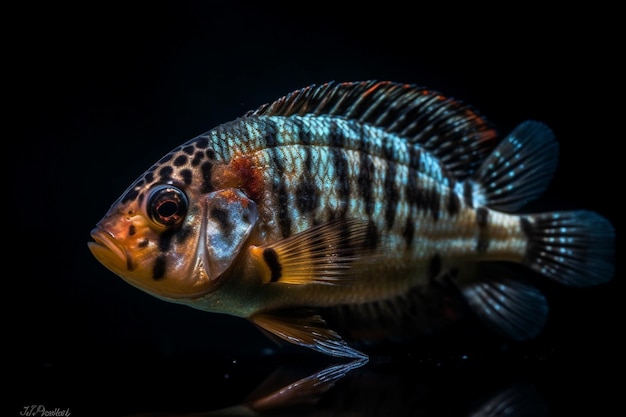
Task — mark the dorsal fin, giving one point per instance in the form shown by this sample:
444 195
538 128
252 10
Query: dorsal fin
452 131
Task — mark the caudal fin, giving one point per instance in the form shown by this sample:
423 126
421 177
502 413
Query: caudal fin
575 248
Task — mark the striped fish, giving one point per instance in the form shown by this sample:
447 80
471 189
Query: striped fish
386 206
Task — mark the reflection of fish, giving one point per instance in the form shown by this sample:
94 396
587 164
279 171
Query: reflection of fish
373 202
378 391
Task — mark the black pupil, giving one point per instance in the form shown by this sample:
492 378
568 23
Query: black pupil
168 206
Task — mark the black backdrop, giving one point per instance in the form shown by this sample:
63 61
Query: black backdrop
102 90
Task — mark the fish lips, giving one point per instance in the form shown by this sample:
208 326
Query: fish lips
118 260
108 252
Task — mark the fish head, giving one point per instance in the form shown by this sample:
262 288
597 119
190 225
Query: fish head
173 236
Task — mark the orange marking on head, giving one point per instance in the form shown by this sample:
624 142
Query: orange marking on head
242 172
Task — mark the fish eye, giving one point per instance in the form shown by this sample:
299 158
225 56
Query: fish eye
167 205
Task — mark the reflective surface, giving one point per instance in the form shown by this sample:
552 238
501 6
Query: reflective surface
487 378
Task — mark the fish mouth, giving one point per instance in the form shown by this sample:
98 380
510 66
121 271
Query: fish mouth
106 250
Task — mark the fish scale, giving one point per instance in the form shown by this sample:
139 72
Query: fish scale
373 206
337 165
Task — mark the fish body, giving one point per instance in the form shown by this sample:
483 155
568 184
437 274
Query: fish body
366 201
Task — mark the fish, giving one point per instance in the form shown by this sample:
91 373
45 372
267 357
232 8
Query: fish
354 211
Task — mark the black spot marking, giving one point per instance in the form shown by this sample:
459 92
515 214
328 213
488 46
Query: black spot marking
165 240
343 180
482 217
308 160
210 153
365 141
271 259
166 173
433 202
279 187
188 149
482 220
391 194
129 263
415 157
372 239
144 243
270 135
426 199
202 143
336 137
454 202
409 232
180 160
159 268
482 244
388 151
526 225
149 177
132 230
187 176
303 132
205 169
221 216
468 194
197 158
306 195
284 221
434 267
365 182
183 234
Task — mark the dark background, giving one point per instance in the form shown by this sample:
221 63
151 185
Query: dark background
103 90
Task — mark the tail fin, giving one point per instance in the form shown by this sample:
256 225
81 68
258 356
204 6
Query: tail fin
575 248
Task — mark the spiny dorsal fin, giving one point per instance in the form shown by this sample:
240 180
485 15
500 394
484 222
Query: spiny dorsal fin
333 253
454 132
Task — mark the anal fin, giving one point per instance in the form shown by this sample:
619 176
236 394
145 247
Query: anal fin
506 304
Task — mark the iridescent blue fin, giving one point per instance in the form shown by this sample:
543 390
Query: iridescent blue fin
510 307
519 400
518 170
575 248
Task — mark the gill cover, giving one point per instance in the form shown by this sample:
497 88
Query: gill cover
230 218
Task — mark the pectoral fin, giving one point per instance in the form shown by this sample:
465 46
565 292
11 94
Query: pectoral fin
306 328
333 253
